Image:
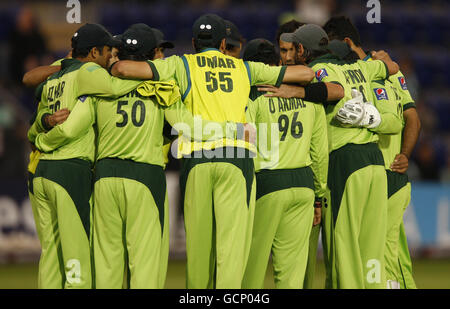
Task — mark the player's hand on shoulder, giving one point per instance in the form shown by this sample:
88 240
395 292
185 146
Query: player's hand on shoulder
284 91
57 118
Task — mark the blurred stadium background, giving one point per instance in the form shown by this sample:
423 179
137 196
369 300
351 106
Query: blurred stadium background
416 34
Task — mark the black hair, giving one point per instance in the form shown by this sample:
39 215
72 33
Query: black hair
288 27
205 41
230 47
351 57
266 54
125 54
341 27
84 52
311 55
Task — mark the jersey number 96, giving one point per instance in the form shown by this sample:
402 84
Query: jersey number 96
296 126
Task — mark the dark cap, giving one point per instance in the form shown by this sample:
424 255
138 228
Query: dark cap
91 35
209 28
139 39
339 48
261 50
160 39
311 36
233 37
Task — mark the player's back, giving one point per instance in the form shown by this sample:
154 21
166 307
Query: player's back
130 127
285 129
355 75
60 91
220 86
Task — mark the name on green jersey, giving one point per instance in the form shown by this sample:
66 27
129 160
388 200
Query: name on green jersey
134 94
355 76
55 92
285 105
215 62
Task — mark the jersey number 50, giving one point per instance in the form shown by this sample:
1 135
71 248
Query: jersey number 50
134 120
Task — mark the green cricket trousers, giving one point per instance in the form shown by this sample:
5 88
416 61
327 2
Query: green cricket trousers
358 186
397 259
283 219
61 197
130 224
219 200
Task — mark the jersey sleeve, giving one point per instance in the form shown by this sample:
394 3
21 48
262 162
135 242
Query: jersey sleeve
92 79
182 120
391 122
260 73
36 127
165 69
325 73
80 119
251 111
401 86
319 151
375 70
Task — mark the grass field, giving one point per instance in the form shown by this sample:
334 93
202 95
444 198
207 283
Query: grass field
429 274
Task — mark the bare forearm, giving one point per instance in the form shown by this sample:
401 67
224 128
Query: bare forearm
335 92
298 74
132 70
411 131
37 75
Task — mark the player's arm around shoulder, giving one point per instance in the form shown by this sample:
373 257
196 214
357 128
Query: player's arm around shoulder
319 151
327 81
79 121
391 66
385 102
158 70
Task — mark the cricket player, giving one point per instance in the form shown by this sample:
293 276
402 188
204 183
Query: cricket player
356 175
396 148
63 178
287 49
234 40
289 176
217 178
58 117
287 54
130 214
161 43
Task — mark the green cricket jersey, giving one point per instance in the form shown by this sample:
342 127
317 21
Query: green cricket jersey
215 87
357 75
62 90
129 127
391 95
292 133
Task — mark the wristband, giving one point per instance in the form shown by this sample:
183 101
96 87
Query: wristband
111 66
316 92
44 123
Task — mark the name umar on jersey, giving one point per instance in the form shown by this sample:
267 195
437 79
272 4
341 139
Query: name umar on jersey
215 62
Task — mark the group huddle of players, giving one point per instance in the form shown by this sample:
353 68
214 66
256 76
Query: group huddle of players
274 147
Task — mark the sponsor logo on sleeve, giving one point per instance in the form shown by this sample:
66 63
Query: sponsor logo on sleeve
381 94
402 81
320 74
